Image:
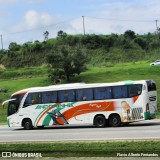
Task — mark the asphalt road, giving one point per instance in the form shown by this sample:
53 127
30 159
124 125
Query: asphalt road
140 130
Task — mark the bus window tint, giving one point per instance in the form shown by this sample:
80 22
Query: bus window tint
12 108
84 94
89 94
120 92
102 93
71 96
79 95
49 97
36 98
66 96
33 98
135 90
28 100
61 97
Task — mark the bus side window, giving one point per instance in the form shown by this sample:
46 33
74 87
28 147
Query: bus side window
54 97
45 97
61 96
36 98
108 93
135 90
120 92
49 97
71 96
33 98
89 94
102 93
28 100
79 95
66 96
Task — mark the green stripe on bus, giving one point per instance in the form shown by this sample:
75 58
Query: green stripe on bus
47 120
38 117
127 83
8 123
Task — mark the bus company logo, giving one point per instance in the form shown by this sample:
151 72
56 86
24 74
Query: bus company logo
60 106
6 154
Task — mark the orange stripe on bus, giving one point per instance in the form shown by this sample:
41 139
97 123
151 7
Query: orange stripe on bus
135 98
22 92
88 108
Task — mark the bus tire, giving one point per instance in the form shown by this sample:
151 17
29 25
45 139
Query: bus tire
114 120
100 121
27 124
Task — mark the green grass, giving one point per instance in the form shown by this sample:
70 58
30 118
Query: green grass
24 72
119 72
84 149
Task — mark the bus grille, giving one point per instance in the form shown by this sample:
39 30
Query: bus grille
136 113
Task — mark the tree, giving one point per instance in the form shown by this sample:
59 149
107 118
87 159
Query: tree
61 34
37 46
67 60
141 42
129 34
13 46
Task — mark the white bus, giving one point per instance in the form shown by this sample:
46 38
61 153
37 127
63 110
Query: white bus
99 104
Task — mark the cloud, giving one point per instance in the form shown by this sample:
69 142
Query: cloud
32 20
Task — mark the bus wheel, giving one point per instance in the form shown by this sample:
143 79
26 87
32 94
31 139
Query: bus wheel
100 121
27 124
115 120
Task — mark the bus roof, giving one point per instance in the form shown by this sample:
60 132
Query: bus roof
74 86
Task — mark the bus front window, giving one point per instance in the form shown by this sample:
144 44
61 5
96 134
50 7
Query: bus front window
13 106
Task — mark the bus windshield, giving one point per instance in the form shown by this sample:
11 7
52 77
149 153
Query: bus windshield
13 106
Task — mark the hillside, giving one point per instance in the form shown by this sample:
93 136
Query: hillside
101 50
37 76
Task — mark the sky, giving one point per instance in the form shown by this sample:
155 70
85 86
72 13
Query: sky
24 21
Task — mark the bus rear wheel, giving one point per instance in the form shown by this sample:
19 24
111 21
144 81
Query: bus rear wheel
100 121
115 120
27 124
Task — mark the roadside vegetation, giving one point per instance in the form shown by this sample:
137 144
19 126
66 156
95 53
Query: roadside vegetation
98 50
87 149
